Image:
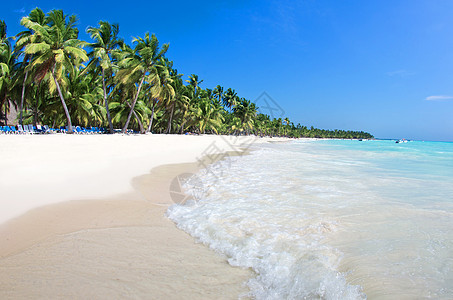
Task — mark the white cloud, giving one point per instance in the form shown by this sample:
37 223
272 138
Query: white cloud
400 73
438 98
20 11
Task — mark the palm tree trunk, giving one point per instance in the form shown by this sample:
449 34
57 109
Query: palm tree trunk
35 112
106 103
171 118
1 105
35 109
22 98
142 128
6 113
182 127
66 111
151 120
183 121
133 103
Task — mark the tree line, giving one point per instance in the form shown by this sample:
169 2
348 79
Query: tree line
52 77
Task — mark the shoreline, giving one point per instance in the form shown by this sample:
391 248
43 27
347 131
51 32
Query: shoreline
38 240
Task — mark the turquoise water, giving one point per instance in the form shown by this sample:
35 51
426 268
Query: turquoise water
331 219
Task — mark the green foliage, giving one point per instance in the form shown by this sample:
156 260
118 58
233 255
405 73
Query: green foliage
120 85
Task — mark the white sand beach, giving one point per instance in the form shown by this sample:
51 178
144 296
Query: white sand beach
82 216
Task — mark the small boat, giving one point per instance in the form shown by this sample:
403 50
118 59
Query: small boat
401 141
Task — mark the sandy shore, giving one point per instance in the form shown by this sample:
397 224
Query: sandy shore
83 217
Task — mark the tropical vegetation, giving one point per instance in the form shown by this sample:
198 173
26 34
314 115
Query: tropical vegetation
50 76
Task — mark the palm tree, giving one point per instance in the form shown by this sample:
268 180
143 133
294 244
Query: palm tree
178 88
164 93
188 91
57 51
218 92
287 125
245 110
106 41
139 64
82 96
193 81
205 114
23 39
6 66
230 98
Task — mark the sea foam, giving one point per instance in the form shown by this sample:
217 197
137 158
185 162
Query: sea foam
253 213
330 219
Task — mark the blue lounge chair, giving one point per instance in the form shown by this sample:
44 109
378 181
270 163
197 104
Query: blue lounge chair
46 129
6 130
39 129
77 130
30 129
20 129
26 129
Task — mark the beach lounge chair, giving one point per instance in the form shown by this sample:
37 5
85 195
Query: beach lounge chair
6 130
13 130
47 129
39 129
26 129
30 129
78 130
20 129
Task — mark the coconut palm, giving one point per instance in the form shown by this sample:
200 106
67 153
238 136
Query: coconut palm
178 88
139 64
245 110
106 41
57 51
218 92
82 96
206 115
194 82
161 91
230 98
23 39
7 61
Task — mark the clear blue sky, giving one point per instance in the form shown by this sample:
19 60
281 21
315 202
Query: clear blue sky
380 66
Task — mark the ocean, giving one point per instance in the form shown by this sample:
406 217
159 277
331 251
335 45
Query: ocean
330 219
